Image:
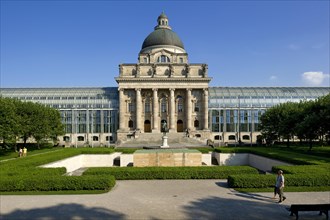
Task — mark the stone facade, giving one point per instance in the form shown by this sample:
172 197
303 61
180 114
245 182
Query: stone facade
162 87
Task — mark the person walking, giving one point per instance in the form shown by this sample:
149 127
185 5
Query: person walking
20 152
24 152
280 186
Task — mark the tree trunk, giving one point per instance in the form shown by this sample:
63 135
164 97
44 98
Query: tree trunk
310 144
24 143
288 142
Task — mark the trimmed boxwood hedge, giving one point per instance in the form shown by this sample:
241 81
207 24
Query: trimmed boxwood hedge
56 183
264 181
312 169
136 173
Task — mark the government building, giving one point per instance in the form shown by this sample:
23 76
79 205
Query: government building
162 91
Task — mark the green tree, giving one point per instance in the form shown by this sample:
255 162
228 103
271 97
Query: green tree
324 103
288 119
270 124
8 121
309 126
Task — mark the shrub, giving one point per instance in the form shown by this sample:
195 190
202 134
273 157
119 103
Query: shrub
316 169
56 183
130 173
264 181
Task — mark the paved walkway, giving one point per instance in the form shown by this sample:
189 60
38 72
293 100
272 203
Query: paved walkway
160 199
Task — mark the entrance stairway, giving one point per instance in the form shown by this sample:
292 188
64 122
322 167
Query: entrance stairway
175 140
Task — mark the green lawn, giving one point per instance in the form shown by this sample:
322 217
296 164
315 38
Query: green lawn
20 171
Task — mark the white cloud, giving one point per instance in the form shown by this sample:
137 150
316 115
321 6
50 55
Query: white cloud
273 78
294 47
316 78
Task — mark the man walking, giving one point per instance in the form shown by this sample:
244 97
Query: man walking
280 185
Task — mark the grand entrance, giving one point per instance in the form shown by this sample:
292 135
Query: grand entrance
147 126
179 126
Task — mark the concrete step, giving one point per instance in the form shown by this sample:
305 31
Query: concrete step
152 139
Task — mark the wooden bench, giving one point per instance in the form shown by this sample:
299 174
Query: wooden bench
323 208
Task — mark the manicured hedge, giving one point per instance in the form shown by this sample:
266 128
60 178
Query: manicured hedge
130 173
264 181
309 169
18 171
56 183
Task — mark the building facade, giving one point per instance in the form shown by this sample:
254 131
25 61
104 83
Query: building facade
162 89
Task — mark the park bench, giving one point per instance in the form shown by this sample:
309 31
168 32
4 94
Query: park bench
323 208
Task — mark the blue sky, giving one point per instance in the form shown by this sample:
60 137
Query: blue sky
245 43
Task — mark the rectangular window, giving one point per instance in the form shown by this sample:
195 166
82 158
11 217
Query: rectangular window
197 107
131 107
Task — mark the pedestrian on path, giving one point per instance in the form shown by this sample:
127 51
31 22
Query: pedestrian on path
280 185
24 152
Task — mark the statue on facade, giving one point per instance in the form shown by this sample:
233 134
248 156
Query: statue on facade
187 70
138 69
205 69
154 69
171 70
164 128
121 69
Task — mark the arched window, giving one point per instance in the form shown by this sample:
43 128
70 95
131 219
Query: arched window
232 137
246 137
66 138
196 123
163 59
217 137
81 138
130 124
164 105
180 104
147 105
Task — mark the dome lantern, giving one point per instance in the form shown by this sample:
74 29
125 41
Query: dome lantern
162 36
162 22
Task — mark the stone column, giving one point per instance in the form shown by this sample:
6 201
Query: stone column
138 109
155 110
206 109
122 109
189 109
172 110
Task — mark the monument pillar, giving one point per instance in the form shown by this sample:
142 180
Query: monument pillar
172 110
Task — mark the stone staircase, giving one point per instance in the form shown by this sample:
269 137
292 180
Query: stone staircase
175 140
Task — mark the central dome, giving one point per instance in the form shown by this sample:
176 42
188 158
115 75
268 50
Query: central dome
162 35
